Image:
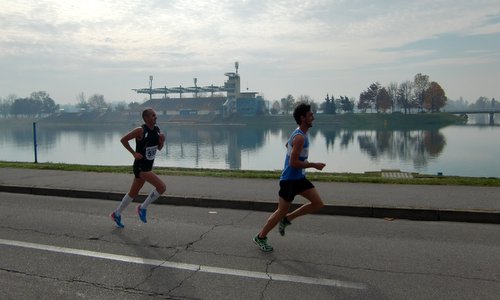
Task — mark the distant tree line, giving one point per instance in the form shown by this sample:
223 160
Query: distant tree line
41 104
287 104
97 103
481 103
418 95
37 104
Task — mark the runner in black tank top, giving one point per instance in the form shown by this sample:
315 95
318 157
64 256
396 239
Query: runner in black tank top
147 147
148 139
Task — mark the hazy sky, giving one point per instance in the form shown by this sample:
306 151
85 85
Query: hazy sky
283 47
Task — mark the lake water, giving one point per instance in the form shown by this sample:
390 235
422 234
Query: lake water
465 150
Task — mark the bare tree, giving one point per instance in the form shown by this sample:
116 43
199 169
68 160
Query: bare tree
97 102
420 84
405 93
82 103
308 100
287 104
275 107
392 90
6 104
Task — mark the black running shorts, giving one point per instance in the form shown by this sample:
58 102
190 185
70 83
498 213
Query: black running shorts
141 166
291 188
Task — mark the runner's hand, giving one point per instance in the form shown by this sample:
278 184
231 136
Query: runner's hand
319 166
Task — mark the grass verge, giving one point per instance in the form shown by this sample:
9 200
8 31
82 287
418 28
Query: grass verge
367 177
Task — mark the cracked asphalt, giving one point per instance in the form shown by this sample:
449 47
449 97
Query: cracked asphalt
367 258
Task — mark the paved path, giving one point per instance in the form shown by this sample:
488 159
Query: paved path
418 202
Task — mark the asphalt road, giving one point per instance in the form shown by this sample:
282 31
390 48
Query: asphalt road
401 201
67 248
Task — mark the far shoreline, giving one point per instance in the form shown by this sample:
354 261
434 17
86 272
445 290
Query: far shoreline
361 121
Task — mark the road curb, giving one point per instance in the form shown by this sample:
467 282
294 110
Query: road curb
417 214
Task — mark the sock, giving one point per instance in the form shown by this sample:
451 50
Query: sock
125 202
151 197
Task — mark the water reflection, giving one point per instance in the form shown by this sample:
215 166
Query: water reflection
241 147
213 143
418 146
226 144
195 144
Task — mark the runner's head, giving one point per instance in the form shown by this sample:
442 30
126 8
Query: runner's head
149 115
301 110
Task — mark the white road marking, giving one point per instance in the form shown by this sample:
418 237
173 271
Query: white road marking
188 267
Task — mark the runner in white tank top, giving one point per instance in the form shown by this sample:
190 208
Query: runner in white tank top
293 180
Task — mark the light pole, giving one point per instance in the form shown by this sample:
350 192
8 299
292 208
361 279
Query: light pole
195 88
150 87
34 142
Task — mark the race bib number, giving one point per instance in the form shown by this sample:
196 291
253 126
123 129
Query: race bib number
151 152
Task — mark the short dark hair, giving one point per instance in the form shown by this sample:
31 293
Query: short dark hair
146 112
301 110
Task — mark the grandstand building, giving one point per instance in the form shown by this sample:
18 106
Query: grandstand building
204 103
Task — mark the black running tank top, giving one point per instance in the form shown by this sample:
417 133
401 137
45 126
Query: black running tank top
148 146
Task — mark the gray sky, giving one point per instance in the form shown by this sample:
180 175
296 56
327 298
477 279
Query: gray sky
283 47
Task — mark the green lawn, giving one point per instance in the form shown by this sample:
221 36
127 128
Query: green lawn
367 177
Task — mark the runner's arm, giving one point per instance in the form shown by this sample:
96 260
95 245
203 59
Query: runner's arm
134 134
295 162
